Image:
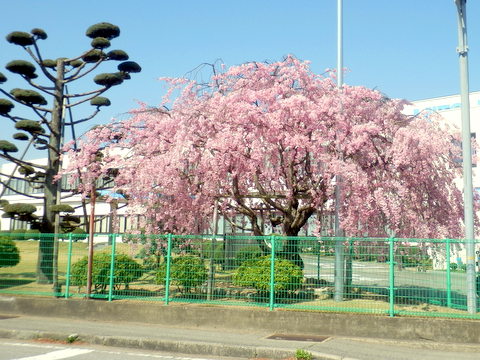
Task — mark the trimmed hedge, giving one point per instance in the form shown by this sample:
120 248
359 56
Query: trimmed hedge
256 274
9 254
187 272
126 271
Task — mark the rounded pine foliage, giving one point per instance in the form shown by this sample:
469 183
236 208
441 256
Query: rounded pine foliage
20 136
126 270
30 126
20 209
7 146
21 67
100 101
49 63
118 55
20 38
9 254
108 79
62 208
256 273
76 63
6 106
39 33
100 43
93 56
103 29
3 78
26 170
187 272
129 67
28 96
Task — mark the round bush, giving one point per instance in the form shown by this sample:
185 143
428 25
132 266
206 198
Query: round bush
187 272
218 254
247 253
256 273
126 271
9 254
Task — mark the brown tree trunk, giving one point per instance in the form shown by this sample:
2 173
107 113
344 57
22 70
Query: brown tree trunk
45 249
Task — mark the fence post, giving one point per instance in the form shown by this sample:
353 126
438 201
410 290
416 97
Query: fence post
69 265
272 273
167 270
391 295
113 239
449 278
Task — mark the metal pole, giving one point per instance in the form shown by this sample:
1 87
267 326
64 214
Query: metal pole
167 271
211 268
272 274
449 276
113 239
69 265
339 256
90 242
467 156
391 272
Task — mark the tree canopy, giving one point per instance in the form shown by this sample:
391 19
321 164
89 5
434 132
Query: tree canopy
268 141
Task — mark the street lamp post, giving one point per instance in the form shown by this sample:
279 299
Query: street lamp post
467 156
339 255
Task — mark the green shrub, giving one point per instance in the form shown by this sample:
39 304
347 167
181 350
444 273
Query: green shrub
218 254
9 254
79 234
301 354
18 234
126 271
187 272
256 273
247 253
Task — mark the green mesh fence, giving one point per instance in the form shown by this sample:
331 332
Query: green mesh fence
394 277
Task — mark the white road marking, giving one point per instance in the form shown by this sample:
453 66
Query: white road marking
85 351
57 355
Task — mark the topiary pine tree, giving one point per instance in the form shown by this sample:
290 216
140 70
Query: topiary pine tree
48 102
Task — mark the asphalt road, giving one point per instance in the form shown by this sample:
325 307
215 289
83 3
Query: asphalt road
377 274
23 350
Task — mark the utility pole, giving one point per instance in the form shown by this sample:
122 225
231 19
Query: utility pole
462 51
339 248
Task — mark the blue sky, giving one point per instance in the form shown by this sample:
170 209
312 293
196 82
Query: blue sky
406 49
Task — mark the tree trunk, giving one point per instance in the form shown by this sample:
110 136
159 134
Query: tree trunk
45 249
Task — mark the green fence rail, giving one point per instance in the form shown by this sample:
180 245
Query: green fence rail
394 277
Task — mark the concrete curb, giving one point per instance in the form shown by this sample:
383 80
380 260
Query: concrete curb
184 347
213 317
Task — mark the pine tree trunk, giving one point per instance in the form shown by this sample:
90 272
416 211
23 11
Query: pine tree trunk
46 246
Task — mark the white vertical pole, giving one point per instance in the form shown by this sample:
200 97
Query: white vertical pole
467 156
339 256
